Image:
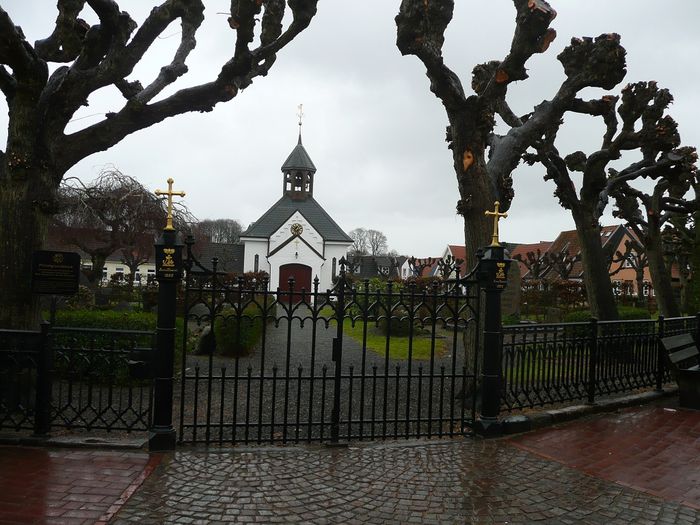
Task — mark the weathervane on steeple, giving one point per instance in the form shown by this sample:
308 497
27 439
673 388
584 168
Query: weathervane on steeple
300 114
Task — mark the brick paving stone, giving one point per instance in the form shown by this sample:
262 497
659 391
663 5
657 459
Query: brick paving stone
40 485
652 449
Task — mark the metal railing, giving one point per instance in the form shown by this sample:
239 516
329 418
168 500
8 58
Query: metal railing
545 364
75 378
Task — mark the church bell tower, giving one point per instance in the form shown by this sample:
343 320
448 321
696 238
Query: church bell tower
298 171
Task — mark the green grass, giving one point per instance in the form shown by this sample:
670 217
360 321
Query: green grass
398 346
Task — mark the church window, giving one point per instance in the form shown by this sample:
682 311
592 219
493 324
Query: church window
298 181
333 268
257 263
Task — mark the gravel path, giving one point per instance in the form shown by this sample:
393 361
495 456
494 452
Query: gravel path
296 390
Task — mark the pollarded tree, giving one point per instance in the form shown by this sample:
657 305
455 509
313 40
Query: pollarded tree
43 98
535 262
561 263
683 236
634 256
646 214
643 127
484 160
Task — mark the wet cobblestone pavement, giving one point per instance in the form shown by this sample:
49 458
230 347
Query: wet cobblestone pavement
457 481
636 466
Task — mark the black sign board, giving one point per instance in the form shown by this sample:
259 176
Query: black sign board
55 273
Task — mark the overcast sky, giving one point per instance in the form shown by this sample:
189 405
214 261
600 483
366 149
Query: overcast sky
372 127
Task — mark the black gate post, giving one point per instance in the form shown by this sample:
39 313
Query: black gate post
168 252
493 275
338 353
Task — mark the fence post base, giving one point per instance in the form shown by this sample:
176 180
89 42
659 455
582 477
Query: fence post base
161 439
488 427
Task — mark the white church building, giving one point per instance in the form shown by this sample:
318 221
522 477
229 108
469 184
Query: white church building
296 238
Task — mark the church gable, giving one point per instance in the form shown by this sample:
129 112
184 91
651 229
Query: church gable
297 226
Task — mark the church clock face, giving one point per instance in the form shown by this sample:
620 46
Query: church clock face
297 229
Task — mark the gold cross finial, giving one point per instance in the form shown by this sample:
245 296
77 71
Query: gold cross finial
170 194
496 217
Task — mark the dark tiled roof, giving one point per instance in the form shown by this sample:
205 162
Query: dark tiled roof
230 257
367 266
284 208
299 159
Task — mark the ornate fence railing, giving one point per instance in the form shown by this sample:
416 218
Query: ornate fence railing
545 364
349 363
75 378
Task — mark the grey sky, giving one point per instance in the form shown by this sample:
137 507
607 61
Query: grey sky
372 127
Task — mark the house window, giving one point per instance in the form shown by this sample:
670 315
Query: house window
119 269
104 272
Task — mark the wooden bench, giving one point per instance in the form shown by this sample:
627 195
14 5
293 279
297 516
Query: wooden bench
684 362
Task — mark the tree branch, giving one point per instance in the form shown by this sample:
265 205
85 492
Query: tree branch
8 84
421 32
170 73
14 49
234 75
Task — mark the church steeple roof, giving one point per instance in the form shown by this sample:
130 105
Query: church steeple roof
299 159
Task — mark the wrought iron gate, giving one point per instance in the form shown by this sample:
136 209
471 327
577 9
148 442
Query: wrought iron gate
351 363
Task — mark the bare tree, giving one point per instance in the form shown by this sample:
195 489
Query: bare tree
113 213
377 242
561 263
43 98
360 241
227 231
635 257
535 262
484 160
646 215
643 128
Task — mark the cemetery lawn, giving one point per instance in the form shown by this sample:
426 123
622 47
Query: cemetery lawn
398 345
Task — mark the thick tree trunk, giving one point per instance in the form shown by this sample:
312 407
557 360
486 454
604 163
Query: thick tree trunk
661 279
601 300
22 231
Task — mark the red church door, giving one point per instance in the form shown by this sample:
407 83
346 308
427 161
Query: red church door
302 279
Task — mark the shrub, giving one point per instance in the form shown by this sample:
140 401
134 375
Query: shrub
399 327
107 319
627 313
577 316
111 320
633 312
237 335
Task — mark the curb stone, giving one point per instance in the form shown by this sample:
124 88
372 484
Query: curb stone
524 423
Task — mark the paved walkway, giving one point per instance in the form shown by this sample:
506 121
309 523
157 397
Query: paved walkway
68 486
640 466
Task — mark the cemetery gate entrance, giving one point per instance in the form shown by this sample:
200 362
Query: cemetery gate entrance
356 362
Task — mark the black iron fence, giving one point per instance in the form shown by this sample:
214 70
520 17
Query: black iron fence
545 364
74 378
352 362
